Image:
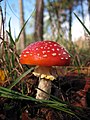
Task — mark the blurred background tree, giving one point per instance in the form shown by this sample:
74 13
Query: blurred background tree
39 20
89 8
22 41
52 19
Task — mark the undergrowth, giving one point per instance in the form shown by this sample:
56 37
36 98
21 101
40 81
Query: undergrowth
14 87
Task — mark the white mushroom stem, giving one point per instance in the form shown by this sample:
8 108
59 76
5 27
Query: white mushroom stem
45 78
44 85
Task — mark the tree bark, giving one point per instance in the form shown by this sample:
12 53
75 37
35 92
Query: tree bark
39 20
82 10
89 8
70 24
22 37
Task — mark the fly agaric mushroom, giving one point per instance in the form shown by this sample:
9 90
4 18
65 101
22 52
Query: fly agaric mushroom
45 54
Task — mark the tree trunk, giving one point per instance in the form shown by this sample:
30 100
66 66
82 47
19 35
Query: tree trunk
22 37
82 11
39 20
89 8
70 24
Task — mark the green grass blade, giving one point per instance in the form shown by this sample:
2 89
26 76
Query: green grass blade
18 79
11 39
7 59
59 107
24 26
9 25
13 59
21 31
10 35
82 24
5 92
8 93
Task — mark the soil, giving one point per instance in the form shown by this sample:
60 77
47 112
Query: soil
72 88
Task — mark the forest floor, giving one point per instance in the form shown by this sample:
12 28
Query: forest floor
72 88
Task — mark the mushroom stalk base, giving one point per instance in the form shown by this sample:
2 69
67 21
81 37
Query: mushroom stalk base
46 75
44 85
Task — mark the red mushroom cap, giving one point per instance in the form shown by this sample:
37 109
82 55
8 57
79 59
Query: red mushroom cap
45 53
